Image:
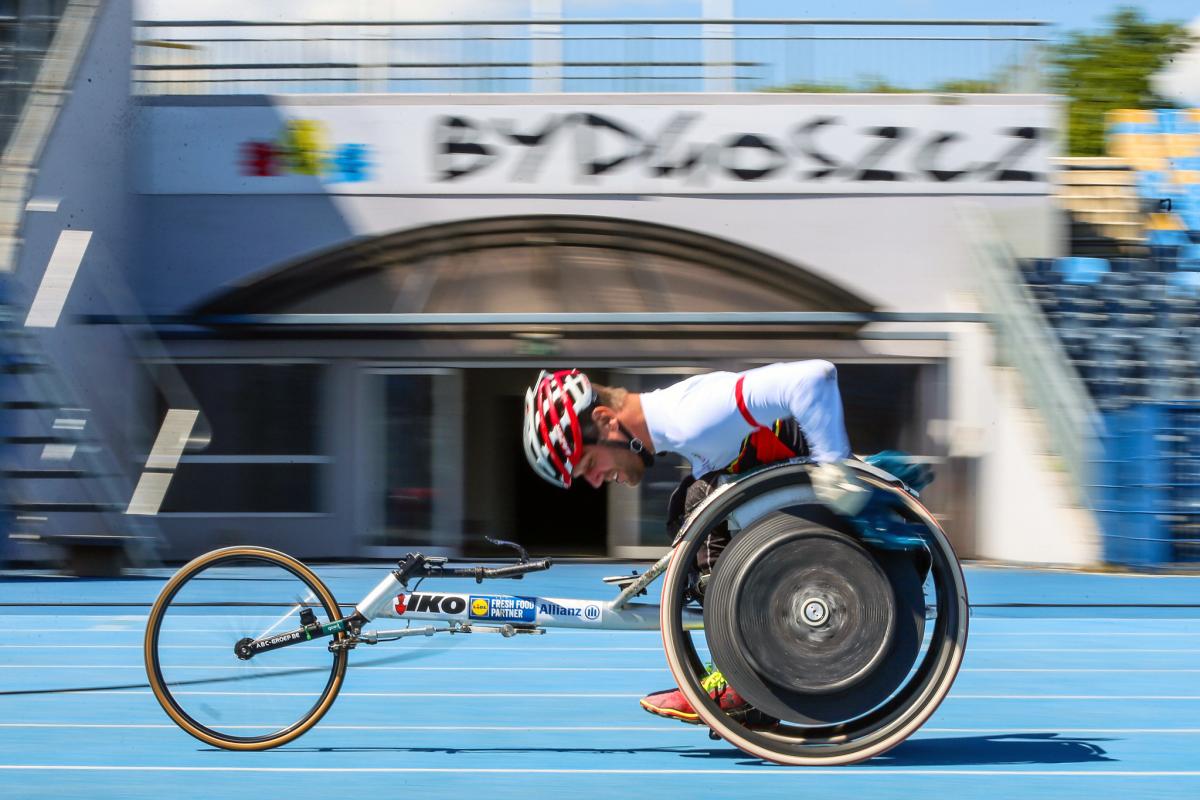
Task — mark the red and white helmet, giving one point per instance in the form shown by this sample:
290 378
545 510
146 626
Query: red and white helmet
553 432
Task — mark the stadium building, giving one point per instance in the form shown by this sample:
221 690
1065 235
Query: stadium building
300 293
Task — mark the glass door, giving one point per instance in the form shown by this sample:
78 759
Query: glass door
413 435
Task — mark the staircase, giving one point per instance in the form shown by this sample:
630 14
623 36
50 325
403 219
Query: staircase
61 488
1100 196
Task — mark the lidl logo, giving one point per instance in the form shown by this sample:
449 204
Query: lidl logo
479 607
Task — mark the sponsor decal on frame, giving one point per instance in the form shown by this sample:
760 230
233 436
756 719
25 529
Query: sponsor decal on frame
502 608
587 611
448 604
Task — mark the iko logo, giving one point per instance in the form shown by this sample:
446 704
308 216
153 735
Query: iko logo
430 604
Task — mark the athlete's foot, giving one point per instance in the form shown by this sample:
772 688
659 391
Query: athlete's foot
672 704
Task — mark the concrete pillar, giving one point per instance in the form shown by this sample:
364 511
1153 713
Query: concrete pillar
547 50
718 47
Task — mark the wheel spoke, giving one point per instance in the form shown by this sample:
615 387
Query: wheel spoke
239 591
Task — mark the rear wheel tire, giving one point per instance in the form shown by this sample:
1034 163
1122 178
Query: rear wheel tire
895 698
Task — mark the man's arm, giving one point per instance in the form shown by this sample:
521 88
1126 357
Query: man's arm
807 391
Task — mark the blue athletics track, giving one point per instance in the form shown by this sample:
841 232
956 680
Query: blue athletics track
1074 685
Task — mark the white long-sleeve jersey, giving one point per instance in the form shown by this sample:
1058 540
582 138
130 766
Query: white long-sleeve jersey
699 418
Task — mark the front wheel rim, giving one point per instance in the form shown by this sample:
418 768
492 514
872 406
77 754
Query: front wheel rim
161 688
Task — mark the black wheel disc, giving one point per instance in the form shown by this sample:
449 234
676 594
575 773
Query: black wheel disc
806 624
813 612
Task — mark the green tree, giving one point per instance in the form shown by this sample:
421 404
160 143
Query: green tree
1112 69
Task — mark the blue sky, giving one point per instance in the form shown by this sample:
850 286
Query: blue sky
1064 13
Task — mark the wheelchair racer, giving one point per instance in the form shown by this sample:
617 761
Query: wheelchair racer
722 423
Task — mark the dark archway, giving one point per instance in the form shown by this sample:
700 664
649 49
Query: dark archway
536 263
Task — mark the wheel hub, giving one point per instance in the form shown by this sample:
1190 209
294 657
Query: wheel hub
803 621
814 611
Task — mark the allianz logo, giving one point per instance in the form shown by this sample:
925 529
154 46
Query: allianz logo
590 612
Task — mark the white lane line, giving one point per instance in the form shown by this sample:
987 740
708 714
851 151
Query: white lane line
793 772
540 648
1104 650
976 623
348 694
1073 670
1072 697
953 696
507 647
1089 633
576 728
449 728
260 666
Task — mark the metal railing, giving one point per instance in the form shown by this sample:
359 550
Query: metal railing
593 55
1073 424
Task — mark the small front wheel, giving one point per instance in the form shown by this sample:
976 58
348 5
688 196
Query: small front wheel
205 682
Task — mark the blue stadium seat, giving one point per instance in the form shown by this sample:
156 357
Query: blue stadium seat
1149 184
1132 127
1186 283
1191 217
1189 257
1157 238
1082 270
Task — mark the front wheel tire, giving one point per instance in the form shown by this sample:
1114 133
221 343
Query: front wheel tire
202 613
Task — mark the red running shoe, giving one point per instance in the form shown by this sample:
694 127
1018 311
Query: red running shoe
672 704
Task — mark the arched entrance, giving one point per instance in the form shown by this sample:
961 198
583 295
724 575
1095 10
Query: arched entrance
440 422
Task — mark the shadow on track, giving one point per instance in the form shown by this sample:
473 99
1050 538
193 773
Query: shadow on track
680 750
1009 748
1015 748
966 751
413 655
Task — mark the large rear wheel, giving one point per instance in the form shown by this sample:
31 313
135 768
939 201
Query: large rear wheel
850 646
205 610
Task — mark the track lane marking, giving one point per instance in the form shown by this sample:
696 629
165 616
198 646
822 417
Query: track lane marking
795 772
952 696
575 728
538 668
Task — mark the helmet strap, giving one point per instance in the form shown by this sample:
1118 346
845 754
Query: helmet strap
633 444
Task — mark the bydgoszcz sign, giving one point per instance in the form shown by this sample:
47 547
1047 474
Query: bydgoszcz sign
400 148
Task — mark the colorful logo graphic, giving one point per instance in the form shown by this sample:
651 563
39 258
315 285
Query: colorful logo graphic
479 607
304 148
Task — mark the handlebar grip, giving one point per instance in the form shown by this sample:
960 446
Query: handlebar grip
517 570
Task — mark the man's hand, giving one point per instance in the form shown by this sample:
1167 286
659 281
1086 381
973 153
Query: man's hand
836 486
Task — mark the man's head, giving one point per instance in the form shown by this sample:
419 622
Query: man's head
574 429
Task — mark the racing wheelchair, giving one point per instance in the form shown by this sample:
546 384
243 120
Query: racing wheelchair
849 631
